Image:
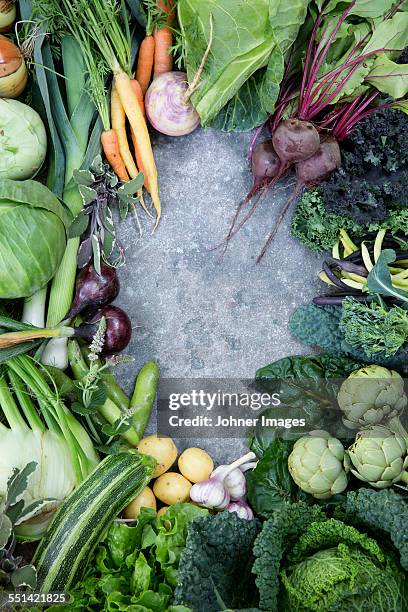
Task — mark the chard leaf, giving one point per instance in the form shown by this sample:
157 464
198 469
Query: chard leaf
379 279
389 77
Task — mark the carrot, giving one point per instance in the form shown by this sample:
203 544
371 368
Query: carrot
119 125
139 94
163 60
145 62
143 147
110 146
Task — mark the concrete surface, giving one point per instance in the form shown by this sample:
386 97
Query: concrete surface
198 314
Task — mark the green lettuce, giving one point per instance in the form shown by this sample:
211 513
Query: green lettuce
135 567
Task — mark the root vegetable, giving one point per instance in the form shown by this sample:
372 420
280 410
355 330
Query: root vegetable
295 140
118 329
146 499
162 511
167 108
312 171
93 289
7 14
162 449
171 488
195 464
13 71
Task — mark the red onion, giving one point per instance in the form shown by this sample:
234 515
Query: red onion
167 107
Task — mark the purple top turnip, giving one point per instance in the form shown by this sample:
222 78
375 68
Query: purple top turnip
168 107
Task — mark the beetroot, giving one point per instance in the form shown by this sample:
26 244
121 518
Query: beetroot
310 172
295 140
265 162
118 329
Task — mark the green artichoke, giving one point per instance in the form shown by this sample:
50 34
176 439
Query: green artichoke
379 456
370 396
318 464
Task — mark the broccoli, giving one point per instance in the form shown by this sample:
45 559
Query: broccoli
373 327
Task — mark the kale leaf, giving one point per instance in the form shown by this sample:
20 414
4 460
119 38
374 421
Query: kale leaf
215 568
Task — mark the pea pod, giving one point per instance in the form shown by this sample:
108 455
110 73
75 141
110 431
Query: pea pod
141 403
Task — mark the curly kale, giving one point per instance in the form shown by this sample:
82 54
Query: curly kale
373 176
373 327
215 568
318 228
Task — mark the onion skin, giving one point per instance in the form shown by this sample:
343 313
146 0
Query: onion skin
8 13
166 108
13 71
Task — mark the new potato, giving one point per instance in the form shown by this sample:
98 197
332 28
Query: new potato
171 488
195 464
146 499
162 449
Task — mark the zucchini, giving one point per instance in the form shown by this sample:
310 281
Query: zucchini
81 521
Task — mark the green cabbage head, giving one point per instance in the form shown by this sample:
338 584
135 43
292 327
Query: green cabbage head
33 225
335 567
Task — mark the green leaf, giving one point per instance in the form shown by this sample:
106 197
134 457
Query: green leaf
97 165
141 576
133 186
79 225
246 27
84 177
391 35
286 16
6 527
25 576
17 483
379 279
363 8
388 77
32 194
79 408
270 486
120 426
88 194
99 396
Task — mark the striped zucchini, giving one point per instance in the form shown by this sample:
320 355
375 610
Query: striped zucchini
81 521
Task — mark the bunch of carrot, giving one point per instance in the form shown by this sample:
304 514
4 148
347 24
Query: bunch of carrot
154 58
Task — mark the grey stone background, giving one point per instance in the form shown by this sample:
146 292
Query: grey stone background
197 314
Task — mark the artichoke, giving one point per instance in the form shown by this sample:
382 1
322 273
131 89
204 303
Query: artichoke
379 456
370 396
318 464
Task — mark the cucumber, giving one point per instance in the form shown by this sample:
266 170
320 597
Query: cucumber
81 521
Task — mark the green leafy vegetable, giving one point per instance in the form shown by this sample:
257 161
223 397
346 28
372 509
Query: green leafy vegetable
215 569
379 279
305 560
135 567
309 386
14 575
33 227
270 485
320 326
374 328
246 62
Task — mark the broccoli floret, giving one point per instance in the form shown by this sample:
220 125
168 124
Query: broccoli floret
215 568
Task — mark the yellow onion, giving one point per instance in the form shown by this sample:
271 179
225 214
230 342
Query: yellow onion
13 71
7 14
